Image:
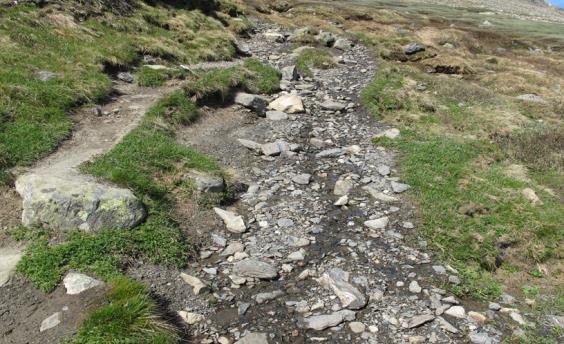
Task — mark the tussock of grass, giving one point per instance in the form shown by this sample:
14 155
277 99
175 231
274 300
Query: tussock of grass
151 78
314 57
377 97
253 76
104 253
175 108
130 316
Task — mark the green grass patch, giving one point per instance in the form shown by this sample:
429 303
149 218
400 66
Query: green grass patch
175 108
471 213
377 97
314 57
130 316
104 253
219 84
157 77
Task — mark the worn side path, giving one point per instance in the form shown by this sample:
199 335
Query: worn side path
330 252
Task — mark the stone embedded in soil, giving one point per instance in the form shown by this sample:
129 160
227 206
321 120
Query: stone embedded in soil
233 248
194 282
333 105
276 115
264 297
252 101
253 338
61 203
343 187
413 48
302 179
290 73
419 320
414 287
399 187
456 311
349 295
233 222
331 153
380 223
480 338
389 133
126 77
209 183
50 322
254 146
75 283
357 327
255 268
9 258
342 44
191 318
343 200
322 322
290 103
380 196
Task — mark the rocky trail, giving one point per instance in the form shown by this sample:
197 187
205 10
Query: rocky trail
321 247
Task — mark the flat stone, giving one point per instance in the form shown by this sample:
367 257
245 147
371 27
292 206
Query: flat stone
191 318
290 73
290 103
342 44
331 153
419 320
126 77
389 133
480 338
252 101
456 311
206 183
333 105
233 222
478 317
9 258
414 287
264 297
276 115
384 170
343 200
285 222
445 325
357 327
380 223
343 187
77 203
252 145
322 322
337 280
413 48
233 248
45 75
380 196
50 322
531 98
255 268
302 179
399 187
75 283
156 67
243 308
253 338
297 256
196 284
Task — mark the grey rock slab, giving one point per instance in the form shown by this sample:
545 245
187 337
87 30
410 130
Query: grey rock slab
342 44
253 338
126 77
413 48
290 103
480 338
252 145
276 115
333 105
446 325
380 196
255 268
50 322
380 223
9 258
302 179
45 75
326 38
419 320
233 222
324 321
531 98
337 281
252 101
209 183
76 283
264 297
243 308
58 202
456 312
343 187
331 153
233 248
400 187
290 73
194 282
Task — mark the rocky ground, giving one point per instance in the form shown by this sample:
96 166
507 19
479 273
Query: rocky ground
321 246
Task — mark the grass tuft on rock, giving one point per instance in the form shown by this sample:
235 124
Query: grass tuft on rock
130 316
314 57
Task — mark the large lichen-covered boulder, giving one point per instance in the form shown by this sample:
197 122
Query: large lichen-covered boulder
77 203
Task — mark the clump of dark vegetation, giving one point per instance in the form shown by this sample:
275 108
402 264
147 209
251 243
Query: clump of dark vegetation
314 57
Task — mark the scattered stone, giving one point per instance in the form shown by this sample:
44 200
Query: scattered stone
243 308
275 37
322 322
399 187
205 183
380 223
357 327
454 279
390 133
9 258
456 311
254 146
196 284
531 98
478 317
276 116
494 306
302 179
384 170
445 325
343 200
71 203
233 222
342 187
531 195
263 297
75 283
253 338
233 248
326 38
517 318
297 256
413 48
331 153
45 75
414 287
342 44
337 280
126 77
50 322
419 320
480 338
191 318
439 269
333 105
290 103
252 101
255 268
380 196
290 73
